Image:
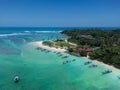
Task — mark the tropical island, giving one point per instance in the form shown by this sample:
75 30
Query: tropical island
96 44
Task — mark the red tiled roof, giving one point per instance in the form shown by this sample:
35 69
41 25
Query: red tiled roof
85 49
81 49
88 50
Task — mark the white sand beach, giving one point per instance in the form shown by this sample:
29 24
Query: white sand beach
39 44
114 69
110 67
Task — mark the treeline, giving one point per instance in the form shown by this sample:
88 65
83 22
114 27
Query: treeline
94 37
109 55
108 42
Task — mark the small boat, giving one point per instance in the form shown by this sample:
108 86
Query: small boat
16 79
73 59
118 77
93 65
86 63
107 71
44 49
65 57
65 62
38 48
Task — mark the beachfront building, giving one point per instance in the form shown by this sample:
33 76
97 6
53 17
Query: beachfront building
85 49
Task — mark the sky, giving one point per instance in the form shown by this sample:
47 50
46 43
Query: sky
60 13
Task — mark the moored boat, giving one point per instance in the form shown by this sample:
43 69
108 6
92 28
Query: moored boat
86 63
107 71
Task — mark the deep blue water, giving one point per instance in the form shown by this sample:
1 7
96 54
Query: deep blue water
6 30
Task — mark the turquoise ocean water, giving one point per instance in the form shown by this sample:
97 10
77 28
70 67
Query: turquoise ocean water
42 70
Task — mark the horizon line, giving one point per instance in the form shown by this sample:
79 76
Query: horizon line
61 26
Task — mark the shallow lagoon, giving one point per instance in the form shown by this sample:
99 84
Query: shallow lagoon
40 70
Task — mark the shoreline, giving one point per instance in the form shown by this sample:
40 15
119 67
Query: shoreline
113 68
39 44
108 66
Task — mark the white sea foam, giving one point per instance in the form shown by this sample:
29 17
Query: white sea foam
59 31
12 34
27 31
46 31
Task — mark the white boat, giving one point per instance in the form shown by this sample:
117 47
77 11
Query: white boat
16 79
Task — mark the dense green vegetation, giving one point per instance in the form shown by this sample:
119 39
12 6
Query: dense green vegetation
108 42
58 43
48 43
94 37
83 53
62 43
70 50
110 55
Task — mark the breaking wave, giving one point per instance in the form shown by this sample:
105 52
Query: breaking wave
27 33
12 34
47 31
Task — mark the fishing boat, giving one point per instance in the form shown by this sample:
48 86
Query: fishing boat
86 63
65 56
93 65
65 62
73 59
107 71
